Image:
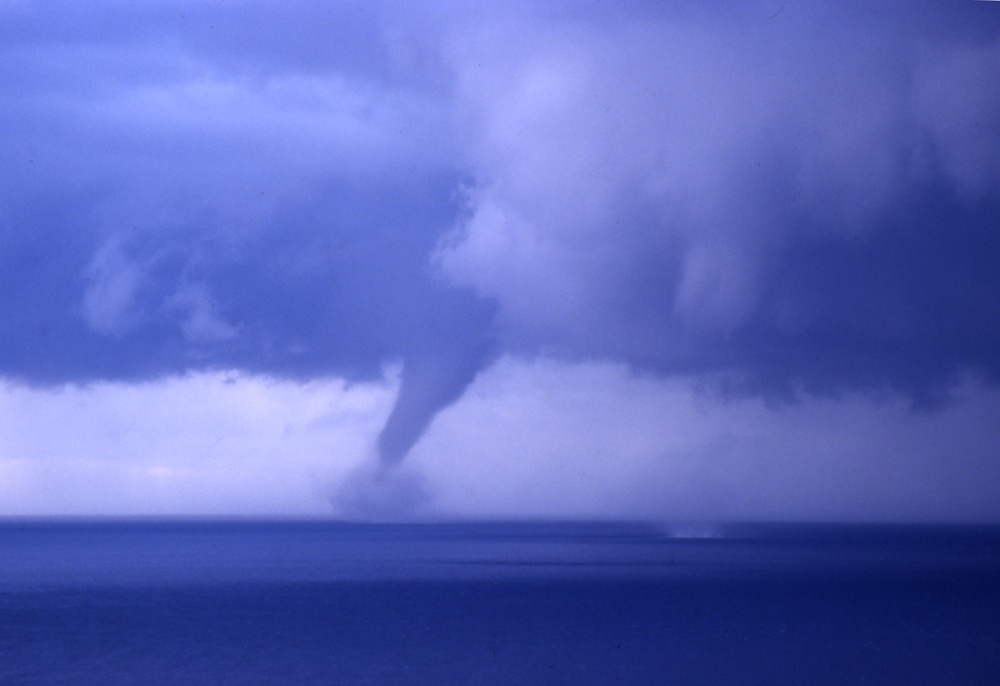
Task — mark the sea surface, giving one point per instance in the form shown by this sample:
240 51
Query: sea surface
292 602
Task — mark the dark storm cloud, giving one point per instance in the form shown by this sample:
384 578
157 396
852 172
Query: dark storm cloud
800 199
226 185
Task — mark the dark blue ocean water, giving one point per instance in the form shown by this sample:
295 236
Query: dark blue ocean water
201 602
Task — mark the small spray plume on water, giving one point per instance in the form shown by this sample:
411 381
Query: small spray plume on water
375 492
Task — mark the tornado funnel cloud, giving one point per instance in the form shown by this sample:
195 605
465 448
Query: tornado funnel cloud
427 386
456 342
433 377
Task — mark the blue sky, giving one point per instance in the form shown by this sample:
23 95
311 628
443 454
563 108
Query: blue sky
554 259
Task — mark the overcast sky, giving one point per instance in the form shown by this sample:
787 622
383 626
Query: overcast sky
569 259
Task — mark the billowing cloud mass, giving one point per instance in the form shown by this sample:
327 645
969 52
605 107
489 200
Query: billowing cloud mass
805 200
781 200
